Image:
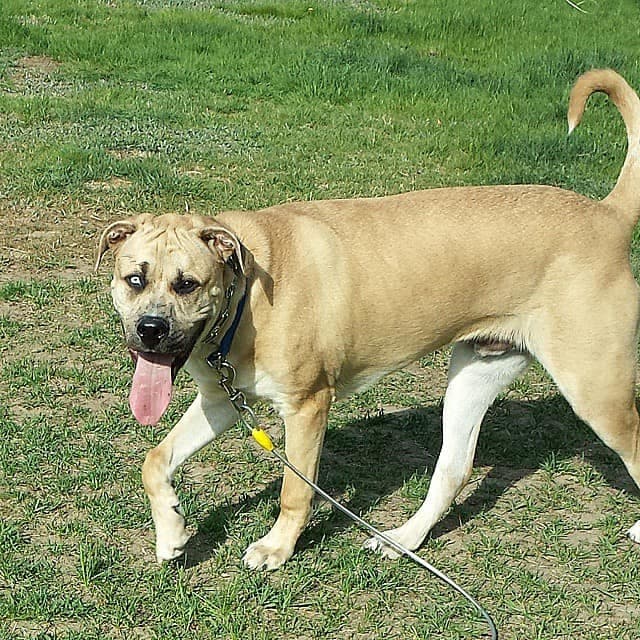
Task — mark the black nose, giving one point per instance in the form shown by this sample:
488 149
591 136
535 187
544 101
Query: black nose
151 330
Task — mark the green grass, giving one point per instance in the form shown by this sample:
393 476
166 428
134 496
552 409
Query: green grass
111 108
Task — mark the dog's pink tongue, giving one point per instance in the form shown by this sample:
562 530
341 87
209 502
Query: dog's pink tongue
151 387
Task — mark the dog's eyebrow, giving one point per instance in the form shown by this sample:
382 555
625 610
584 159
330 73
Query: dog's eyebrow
144 267
180 275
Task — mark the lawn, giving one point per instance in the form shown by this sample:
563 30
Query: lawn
110 107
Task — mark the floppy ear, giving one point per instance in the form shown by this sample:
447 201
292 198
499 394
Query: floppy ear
112 236
225 244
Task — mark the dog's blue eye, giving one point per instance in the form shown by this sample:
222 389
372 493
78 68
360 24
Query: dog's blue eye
183 287
136 281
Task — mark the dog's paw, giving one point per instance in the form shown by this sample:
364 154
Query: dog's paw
634 532
378 545
167 550
171 533
265 554
405 536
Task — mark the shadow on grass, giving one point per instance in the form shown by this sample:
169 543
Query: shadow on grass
369 459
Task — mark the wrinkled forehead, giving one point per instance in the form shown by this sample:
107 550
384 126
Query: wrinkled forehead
161 253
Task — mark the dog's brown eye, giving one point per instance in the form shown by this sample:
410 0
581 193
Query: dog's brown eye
136 281
185 286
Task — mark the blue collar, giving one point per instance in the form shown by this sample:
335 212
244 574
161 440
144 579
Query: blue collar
227 338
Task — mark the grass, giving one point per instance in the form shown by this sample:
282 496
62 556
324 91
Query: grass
110 108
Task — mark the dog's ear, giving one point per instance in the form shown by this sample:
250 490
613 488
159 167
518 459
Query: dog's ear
226 246
112 236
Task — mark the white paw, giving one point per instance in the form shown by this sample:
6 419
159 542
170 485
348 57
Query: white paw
265 554
169 547
171 535
378 545
634 532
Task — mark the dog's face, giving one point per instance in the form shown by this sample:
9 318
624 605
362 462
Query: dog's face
168 285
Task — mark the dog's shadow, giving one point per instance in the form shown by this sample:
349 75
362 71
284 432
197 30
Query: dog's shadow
369 459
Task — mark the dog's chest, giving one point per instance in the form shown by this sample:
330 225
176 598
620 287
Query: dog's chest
254 383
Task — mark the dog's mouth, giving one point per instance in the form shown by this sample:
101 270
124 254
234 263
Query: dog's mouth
152 384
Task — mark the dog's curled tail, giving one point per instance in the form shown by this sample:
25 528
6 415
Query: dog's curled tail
626 193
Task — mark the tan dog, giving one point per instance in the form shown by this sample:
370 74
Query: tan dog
341 292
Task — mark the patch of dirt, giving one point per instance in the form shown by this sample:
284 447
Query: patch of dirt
108 185
30 629
38 64
124 154
43 241
35 75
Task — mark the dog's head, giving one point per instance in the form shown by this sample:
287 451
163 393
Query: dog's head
168 286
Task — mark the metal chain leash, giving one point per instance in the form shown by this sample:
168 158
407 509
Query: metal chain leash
246 415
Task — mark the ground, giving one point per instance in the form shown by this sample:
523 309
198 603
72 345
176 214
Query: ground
538 536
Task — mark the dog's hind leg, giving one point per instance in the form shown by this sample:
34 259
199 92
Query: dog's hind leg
201 423
474 382
593 362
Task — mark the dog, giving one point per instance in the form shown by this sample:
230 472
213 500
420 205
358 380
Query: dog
339 293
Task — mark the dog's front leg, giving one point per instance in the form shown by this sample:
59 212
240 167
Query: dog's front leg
305 428
202 422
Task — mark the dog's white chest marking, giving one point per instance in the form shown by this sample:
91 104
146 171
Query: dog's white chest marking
264 386
359 382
